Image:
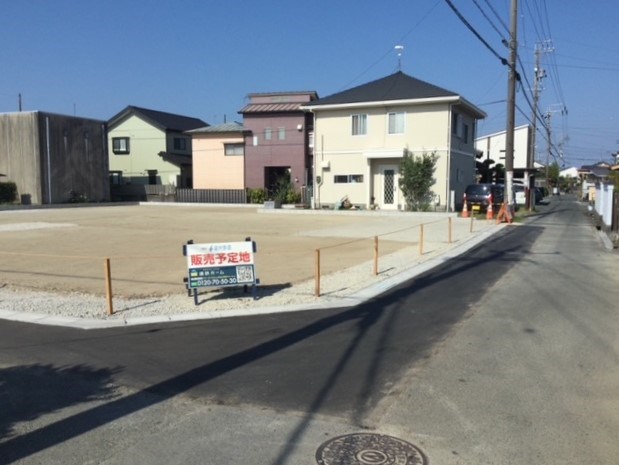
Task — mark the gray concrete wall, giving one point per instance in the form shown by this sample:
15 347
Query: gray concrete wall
76 161
19 154
49 156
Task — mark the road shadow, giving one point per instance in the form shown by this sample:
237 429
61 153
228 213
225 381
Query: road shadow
28 392
19 447
246 292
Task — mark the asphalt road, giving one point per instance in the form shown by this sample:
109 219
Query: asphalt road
507 354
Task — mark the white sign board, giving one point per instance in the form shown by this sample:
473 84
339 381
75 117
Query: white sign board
221 264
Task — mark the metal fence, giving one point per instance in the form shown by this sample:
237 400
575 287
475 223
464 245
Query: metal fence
211 195
164 193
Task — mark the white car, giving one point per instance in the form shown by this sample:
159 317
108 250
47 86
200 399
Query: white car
519 196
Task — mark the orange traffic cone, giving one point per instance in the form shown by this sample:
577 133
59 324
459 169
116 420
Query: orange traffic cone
465 209
489 212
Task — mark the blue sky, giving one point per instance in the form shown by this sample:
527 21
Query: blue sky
202 58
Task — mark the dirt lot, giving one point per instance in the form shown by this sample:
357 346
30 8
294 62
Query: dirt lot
64 249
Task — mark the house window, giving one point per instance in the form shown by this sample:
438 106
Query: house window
347 178
152 177
120 145
465 133
180 143
116 178
456 124
359 125
281 133
234 149
268 134
396 122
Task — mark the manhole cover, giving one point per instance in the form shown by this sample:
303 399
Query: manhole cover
369 449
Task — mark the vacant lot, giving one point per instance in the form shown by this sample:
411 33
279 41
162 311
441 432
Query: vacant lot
64 249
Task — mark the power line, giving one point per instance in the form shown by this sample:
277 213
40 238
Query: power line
475 33
497 16
503 39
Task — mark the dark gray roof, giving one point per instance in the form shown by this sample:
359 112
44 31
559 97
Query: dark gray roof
600 169
398 86
161 119
233 127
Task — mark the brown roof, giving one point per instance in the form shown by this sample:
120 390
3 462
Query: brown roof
272 107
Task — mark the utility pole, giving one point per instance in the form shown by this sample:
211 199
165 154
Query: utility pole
539 75
548 117
554 108
19 101
511 107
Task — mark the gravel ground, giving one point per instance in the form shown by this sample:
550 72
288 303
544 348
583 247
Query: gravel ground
353 284
336 288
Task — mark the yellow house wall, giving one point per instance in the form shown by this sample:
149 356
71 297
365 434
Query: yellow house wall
427 130
212 169
146 142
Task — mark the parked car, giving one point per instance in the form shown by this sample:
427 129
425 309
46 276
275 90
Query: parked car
519 194
478 196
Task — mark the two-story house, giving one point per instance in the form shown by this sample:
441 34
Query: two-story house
278 139
150 147
219 156
361 135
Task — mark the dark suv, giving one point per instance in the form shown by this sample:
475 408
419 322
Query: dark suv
478 197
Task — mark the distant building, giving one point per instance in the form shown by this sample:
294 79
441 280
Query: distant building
54 158
278 141
150 147
219 156
590 175
492 147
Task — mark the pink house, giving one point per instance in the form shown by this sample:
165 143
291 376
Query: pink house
278 139
218 156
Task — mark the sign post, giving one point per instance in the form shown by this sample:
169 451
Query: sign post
222 264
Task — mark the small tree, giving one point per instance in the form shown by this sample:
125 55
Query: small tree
553 174
417 179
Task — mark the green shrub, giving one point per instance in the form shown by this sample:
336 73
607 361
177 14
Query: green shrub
257 195
293 197
285 192
8 192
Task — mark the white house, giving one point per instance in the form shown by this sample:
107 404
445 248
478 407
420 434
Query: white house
492 146
362 134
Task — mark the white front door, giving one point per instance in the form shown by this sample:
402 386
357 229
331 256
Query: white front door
388 194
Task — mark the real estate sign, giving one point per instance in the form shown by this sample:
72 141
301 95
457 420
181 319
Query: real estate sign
221 264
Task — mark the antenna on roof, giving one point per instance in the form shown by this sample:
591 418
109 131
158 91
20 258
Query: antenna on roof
399 49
